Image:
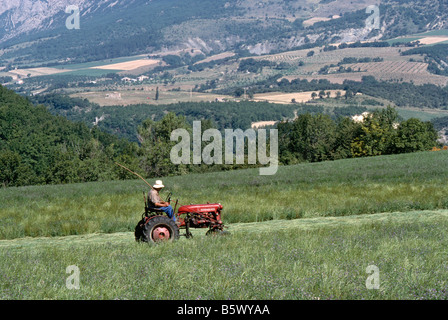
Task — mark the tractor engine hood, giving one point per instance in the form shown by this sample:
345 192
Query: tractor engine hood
209 207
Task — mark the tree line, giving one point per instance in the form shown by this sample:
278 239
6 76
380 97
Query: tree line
313 138
37 147
401 94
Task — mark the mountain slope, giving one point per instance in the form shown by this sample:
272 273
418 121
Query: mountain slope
34 30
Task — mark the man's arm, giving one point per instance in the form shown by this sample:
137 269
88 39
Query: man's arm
162 204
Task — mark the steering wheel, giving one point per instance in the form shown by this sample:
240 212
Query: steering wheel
168 198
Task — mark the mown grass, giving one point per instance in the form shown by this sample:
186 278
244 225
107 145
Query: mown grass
407 182
311 258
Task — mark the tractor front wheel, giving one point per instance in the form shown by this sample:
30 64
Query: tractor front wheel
160 228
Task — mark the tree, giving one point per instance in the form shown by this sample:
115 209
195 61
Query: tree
156 145
321 94
349 93
238 92
376 134
157 94
346 131
414 135
311 138
338 94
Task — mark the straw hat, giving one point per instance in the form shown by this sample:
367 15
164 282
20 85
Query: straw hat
158 184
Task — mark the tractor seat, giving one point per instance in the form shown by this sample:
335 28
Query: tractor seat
154 209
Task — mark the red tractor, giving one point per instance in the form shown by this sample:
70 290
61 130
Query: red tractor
156 226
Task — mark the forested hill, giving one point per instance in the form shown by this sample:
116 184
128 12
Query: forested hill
37 147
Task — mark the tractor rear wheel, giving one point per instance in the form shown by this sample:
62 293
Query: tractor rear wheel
160 228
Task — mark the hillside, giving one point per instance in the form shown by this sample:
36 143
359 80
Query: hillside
118 28
37 147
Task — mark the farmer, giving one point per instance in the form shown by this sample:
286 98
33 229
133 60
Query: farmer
156 202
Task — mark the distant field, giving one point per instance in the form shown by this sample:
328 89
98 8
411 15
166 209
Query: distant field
285 98
394 67
147 96
426 38
424 115
128 65
94 68
35 72
442 32
311 21
433 40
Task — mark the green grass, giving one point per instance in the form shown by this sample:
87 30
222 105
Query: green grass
316 258
442 32
90 72
340 188
419 36
388 211
424 115
404 40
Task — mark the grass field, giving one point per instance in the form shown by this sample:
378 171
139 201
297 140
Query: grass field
321 258
309 232
340 188
147 96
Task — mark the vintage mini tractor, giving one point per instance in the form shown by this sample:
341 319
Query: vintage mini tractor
156 226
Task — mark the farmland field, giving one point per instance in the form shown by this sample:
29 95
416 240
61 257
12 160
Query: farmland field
322 225
284 98
129 65
146 96
393 67
95 68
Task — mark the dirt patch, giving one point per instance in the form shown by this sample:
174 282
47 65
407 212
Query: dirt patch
287 98
260 124
129 65
312 21
432 40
